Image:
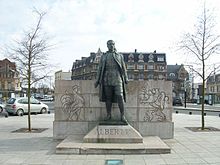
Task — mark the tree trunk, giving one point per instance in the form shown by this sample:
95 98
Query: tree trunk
203 100
29 93
203 88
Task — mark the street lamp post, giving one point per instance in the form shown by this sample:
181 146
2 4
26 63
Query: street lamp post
185 97
185 85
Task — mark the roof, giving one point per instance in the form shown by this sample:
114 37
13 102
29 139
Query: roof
172 71
136 57
173 68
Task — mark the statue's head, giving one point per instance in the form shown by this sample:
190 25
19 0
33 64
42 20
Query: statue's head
111 45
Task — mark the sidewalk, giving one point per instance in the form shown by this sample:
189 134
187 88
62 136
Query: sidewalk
194 148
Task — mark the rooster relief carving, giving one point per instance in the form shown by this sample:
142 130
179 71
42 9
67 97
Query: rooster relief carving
72 103
155 100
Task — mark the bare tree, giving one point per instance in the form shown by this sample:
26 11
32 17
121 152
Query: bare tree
30 55
202 44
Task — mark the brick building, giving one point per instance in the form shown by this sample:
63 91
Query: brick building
9 79
178 75
213 88
140 66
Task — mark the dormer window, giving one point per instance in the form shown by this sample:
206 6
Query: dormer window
160 59
131 58
151 58
141 58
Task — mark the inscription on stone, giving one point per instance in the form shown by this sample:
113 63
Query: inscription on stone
113 131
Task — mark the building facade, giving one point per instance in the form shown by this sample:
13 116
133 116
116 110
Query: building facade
213 88
60 75
179 76
9 79
140 66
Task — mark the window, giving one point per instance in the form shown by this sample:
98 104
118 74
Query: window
23 101
161 76
9 86
141 76
218 88
213 89
130 76
97 59
131 58
130 66
150 76
141 58
150 66
172 74
160 68
182 85
151 58
160 58
140 66
34 101
11 101
218 98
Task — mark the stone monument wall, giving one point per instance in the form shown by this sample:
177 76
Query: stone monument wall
148 108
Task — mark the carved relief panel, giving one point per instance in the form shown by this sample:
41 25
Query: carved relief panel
154 101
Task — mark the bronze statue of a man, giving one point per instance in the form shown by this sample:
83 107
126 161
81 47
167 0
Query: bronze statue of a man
112 77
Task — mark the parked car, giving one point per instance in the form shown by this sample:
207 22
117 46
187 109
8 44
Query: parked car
2 109
2 106
177 101
47 99
19 106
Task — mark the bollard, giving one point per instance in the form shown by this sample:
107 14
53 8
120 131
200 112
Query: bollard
178 112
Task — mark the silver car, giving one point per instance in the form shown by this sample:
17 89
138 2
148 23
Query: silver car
2 109
2 106
19 106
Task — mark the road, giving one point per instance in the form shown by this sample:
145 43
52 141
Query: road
50 105
196 109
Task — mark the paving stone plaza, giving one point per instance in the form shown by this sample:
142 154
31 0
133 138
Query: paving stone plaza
187 147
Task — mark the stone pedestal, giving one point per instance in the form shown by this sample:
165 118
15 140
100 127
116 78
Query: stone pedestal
78 113
113 134
148 108
73 145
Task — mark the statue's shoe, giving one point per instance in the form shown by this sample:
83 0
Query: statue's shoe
123 119
107 118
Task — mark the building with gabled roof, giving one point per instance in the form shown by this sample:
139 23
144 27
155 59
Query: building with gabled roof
178 75
9 79
213 88
140 66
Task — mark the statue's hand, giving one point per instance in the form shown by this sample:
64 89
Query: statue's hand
96 84
126 81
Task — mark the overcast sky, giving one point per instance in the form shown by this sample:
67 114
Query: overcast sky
79 27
